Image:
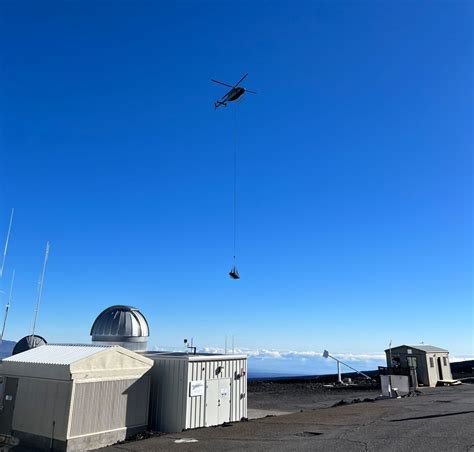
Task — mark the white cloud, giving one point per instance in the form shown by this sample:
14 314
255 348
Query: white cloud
455 359
309 362
291 354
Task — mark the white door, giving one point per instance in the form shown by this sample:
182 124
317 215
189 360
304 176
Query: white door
224 400
217 401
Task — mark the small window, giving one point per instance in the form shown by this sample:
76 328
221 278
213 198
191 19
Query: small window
431 362
445 361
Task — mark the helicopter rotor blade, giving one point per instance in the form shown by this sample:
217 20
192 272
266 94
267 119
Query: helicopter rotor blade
238 83
248 91
221 83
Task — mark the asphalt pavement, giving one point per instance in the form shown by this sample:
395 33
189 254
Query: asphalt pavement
440 419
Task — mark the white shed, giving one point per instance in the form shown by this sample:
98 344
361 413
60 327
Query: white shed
74 397
196 390
431 363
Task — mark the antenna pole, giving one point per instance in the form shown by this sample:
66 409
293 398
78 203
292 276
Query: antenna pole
6 243
40 291
7 307
225 345
390 355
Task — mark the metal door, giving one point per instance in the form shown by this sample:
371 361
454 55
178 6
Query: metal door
211 415
223 406
217 401
9 397
440 369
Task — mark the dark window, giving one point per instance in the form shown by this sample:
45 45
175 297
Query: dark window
445 361
411 360
431 362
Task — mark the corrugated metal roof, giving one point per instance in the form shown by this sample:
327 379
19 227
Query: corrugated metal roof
423 348
61 354
156 355
428 348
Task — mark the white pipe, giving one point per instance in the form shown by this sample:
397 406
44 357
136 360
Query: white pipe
347 365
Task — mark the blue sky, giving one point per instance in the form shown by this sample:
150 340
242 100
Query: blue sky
354 170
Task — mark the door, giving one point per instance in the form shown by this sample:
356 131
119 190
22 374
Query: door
412 368
224 400
217 401
8 402
440 369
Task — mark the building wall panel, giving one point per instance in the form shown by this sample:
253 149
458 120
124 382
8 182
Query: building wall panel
100 406
207 370
172 407
168 401
39 403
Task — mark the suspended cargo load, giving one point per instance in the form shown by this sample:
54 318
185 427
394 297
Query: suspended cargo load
234 273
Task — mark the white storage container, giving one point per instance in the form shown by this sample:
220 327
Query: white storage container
196 390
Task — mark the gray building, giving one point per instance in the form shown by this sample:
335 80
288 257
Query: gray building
196 390
74 397
431 363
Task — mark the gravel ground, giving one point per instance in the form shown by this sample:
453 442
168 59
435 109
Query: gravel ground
438 420
297 396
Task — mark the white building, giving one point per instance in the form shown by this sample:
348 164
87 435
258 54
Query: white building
431 363
74 397
188 390
196 390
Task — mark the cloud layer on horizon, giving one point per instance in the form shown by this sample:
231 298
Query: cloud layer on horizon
309 362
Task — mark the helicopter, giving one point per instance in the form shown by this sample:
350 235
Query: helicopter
233 94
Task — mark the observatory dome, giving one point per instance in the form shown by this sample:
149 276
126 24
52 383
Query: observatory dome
27 343
121 325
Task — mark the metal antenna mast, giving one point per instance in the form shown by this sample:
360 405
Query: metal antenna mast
6 243
7 307
40 292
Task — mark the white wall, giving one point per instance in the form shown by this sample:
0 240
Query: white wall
38 403
173 408
100 406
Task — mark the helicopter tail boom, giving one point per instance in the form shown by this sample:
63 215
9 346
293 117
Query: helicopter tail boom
218 103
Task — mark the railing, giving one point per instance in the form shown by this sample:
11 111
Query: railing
393 370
